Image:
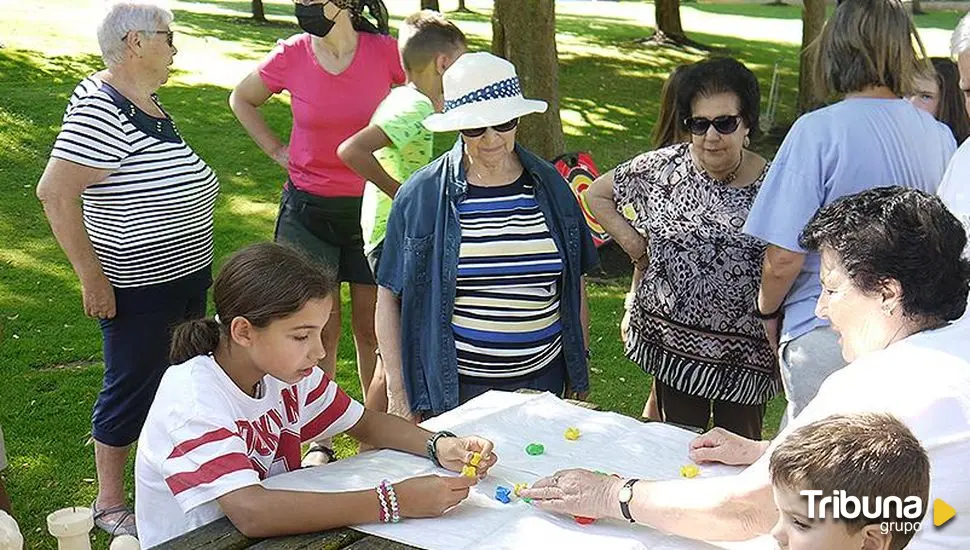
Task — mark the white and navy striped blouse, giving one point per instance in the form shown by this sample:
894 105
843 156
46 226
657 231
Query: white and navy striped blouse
150 220
506 316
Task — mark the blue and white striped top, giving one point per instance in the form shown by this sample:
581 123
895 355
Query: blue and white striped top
150 219
506 316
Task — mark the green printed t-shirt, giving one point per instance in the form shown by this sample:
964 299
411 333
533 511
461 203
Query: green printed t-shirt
400 116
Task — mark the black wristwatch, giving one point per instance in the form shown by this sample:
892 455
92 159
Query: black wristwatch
766 316
432 446
626 495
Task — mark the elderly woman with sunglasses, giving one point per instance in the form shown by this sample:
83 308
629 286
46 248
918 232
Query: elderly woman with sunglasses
678 213
481 281
131 205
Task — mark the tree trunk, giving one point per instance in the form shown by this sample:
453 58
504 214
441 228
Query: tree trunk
813 19
463 7
258 13
524 32
668 19
669 31
430 5
917 7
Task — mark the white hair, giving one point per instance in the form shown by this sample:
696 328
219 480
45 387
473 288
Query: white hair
960 41
121 18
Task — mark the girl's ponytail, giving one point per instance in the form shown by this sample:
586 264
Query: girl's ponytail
193 338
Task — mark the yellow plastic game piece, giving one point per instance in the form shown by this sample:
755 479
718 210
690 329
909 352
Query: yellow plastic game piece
571 434
476 458
519 487
689 471
469 471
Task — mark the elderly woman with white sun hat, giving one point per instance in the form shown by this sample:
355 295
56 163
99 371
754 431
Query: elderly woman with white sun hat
481 282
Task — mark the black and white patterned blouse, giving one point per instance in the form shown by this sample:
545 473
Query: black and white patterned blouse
692 324
150 220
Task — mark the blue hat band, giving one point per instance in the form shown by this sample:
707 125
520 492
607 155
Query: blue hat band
509 87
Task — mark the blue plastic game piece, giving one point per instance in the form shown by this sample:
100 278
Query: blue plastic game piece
502 494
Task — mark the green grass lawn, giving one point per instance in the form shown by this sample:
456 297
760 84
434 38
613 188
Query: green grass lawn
936 19
51 354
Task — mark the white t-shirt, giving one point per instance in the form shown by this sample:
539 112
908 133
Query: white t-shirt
923 380
954 190
204 438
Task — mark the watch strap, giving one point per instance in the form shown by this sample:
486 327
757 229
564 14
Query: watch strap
766 316
432 446
625 505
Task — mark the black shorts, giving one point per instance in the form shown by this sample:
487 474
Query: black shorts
374 258
326 228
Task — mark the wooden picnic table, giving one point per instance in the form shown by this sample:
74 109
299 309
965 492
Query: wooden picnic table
223 535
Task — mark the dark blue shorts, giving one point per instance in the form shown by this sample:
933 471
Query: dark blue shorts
136 349
552 379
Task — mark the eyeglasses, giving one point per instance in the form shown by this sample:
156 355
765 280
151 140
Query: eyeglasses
724 125
500 128
169 36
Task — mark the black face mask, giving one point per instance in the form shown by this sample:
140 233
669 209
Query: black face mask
312 19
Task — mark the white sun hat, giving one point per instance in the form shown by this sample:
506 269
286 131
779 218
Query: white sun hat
481 90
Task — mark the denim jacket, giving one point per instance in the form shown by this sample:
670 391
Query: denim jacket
419 264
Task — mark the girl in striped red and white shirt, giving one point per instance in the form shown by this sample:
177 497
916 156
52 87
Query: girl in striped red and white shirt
246 392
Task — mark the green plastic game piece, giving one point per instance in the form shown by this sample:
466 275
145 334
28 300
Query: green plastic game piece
535 449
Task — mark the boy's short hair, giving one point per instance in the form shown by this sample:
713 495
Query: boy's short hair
866 455
425 35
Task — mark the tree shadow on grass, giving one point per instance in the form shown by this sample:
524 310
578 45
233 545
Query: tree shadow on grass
250 34
244 7
616 94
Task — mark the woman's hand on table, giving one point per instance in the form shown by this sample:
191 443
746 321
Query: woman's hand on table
430 496
577 493
720 445
456 452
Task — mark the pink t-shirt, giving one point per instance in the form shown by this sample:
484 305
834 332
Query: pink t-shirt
329 108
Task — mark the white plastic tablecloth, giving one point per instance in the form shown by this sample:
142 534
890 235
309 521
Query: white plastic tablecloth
609 442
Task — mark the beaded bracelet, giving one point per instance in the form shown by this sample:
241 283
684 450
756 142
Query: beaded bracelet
395 515
385 511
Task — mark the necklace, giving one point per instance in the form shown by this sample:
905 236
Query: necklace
732 175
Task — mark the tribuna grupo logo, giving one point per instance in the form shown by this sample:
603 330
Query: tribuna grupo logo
892 513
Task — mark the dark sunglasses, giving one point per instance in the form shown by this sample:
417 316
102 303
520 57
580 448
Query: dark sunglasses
169 36
724 125
500 128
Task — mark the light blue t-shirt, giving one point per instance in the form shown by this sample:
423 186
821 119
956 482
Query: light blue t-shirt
845 148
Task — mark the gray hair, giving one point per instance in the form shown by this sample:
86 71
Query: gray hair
122 18
960 41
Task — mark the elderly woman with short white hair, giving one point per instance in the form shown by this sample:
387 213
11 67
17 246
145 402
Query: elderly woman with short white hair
131 205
